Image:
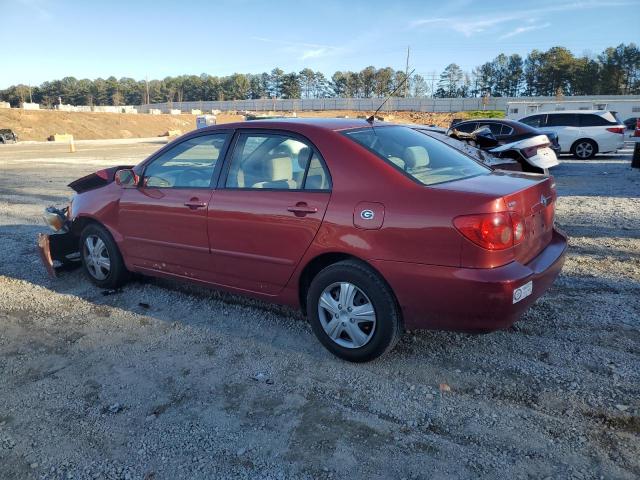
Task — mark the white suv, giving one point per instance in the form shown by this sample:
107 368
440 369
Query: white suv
582 132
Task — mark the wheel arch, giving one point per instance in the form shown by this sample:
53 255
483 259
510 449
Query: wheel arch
81 221
323 260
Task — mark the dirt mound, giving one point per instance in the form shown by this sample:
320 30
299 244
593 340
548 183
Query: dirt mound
40 124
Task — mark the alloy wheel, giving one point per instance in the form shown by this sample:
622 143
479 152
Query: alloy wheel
347 315
584 150
96 257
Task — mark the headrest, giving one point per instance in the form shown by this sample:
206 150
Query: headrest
279 168
415 157
303 157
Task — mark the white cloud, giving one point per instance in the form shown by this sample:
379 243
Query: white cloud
520 30
469 25
302 50
39 7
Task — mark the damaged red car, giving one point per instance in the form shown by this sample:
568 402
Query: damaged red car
369 228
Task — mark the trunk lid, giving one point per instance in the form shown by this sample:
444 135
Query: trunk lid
532 196
536 204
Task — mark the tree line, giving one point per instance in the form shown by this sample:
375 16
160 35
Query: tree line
557 71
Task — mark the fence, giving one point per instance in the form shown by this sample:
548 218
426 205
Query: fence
367 104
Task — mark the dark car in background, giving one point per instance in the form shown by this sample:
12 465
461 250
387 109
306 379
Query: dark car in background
7 136
631 123
507 131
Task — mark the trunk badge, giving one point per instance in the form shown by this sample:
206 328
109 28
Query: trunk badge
544 201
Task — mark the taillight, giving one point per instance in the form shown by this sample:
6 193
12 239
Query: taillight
531 151
616 130
493 231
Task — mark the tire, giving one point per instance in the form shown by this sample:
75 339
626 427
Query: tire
105 268
337 325
584 149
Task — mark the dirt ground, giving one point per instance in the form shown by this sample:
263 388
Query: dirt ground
164 380
40 124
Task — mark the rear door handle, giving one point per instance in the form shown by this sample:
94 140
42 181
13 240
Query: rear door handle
194 203
301 208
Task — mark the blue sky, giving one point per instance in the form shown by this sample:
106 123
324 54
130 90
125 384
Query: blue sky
49 39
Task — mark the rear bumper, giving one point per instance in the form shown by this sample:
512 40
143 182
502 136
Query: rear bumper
468 299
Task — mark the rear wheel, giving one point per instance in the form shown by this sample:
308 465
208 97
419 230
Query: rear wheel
353 312
584 149
101 258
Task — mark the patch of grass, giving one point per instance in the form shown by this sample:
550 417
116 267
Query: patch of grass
484 114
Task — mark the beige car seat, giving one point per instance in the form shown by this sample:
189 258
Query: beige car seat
416 158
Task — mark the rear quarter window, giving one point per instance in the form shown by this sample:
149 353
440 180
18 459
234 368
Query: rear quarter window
419 156
465 127
591 120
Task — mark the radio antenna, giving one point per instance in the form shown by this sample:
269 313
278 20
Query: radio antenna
373 117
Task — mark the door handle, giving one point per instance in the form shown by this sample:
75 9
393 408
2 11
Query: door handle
301 208
195 203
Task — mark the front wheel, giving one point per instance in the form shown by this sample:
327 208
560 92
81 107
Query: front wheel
353 312
101 257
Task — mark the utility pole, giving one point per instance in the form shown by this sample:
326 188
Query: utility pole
406 74
146 79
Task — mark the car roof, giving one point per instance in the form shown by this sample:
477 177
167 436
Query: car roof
597 112
334 124
506 121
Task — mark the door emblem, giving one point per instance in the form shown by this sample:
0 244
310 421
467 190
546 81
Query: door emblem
367 214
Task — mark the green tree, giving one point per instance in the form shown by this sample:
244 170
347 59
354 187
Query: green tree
291 85
450 81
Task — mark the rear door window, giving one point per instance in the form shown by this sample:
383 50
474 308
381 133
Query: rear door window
276 162
562 120
420 157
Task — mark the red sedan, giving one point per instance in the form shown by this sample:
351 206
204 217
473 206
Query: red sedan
369 228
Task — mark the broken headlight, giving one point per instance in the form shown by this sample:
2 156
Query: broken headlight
57 218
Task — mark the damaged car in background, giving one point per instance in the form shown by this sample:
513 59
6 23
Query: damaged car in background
369 228
534 153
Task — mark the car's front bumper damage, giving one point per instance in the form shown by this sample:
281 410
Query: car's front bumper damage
58 250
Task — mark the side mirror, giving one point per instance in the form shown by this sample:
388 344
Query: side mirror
484 138
126 178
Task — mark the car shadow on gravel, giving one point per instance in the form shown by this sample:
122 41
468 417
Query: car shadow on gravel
174 301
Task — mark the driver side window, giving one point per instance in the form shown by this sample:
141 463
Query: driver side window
190 164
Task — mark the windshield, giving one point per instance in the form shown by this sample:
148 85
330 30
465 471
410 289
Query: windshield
421 157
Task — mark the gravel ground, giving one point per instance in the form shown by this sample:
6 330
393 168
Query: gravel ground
207 385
